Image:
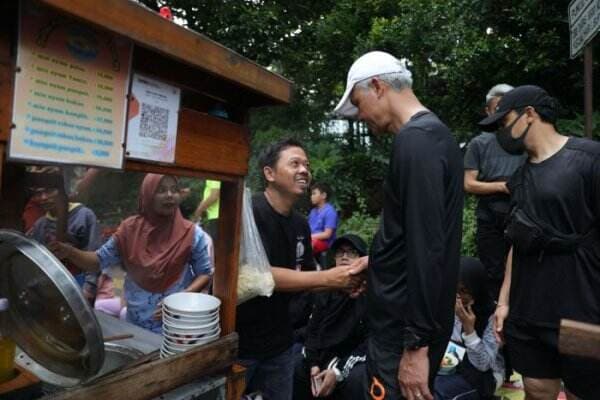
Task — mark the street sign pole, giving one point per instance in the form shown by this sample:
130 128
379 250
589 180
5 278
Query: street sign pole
584 24
588 95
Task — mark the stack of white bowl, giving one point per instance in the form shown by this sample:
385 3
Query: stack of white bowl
189 320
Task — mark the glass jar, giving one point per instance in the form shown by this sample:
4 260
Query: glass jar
7 358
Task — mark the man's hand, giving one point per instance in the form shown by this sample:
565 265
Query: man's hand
342 278
499 318
413 374
328 383
359 265
502 188
465 315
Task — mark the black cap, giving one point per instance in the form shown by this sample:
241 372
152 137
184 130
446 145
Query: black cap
354 240
519 97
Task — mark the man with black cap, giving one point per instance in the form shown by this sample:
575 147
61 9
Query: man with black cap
334 353
414 258
553 268
487 169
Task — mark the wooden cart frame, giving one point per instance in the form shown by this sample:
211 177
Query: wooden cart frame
207 147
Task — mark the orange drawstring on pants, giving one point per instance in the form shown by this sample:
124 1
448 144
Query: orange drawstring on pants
377 391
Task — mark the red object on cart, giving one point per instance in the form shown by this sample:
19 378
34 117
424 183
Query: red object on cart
165 12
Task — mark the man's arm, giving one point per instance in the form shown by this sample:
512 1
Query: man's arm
290 280
212 198
502 308
85 260
474 186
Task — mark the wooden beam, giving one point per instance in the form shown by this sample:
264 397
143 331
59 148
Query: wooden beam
206 147
149 29
227 251
211 144
160 376
148 167
190 79
579 339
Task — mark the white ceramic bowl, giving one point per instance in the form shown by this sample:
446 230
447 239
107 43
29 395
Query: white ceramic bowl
191 334
198 303
195 321
186 328
186 344
170 348
190 339
165 353
180 314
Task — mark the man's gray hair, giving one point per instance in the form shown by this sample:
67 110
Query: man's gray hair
396 80
498 91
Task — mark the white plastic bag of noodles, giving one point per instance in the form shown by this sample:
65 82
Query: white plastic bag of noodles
255 277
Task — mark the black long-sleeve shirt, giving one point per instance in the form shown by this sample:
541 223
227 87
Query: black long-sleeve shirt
415 254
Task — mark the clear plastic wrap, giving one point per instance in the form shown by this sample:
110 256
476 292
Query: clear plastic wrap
255 277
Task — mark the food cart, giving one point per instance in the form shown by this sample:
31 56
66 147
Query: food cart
58 112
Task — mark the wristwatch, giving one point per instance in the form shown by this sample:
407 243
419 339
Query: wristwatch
338 375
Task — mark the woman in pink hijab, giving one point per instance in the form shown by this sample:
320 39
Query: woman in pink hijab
162 252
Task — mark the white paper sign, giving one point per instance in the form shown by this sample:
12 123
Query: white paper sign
153 115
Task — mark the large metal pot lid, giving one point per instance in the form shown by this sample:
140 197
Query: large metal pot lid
47 315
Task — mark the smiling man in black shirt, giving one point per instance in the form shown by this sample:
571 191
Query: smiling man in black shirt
263 323
553 268
414 258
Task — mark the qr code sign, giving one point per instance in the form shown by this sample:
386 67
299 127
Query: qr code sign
154 121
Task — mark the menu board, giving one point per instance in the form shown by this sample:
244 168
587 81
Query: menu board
71 84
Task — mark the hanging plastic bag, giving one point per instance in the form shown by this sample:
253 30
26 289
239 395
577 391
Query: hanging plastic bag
255 277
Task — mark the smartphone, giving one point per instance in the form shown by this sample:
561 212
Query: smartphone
316 382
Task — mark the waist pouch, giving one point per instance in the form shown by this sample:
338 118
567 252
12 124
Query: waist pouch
533 238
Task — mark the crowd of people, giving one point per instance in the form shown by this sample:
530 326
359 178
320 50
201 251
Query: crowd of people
408 318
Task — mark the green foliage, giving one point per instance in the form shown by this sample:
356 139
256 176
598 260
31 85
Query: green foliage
360 223
458 49
468 247
576 126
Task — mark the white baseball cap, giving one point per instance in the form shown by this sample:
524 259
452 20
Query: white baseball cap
366 66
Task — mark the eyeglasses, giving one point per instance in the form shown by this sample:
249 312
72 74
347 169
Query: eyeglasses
347 252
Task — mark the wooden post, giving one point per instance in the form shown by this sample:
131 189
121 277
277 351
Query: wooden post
579 339
227 251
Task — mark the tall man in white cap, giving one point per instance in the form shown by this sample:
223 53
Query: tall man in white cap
414 258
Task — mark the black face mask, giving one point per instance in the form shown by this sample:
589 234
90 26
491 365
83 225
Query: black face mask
514 146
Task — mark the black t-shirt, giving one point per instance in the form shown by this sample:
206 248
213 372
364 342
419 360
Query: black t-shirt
263 323
414 257
562 192
493 164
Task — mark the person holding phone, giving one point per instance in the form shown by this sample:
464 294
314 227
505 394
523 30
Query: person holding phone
331 364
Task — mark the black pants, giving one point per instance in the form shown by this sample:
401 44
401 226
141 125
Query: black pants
492 249
382 368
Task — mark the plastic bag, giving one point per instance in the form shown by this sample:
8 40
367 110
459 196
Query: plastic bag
255 277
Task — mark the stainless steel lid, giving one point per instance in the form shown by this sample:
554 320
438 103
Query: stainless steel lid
47 315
